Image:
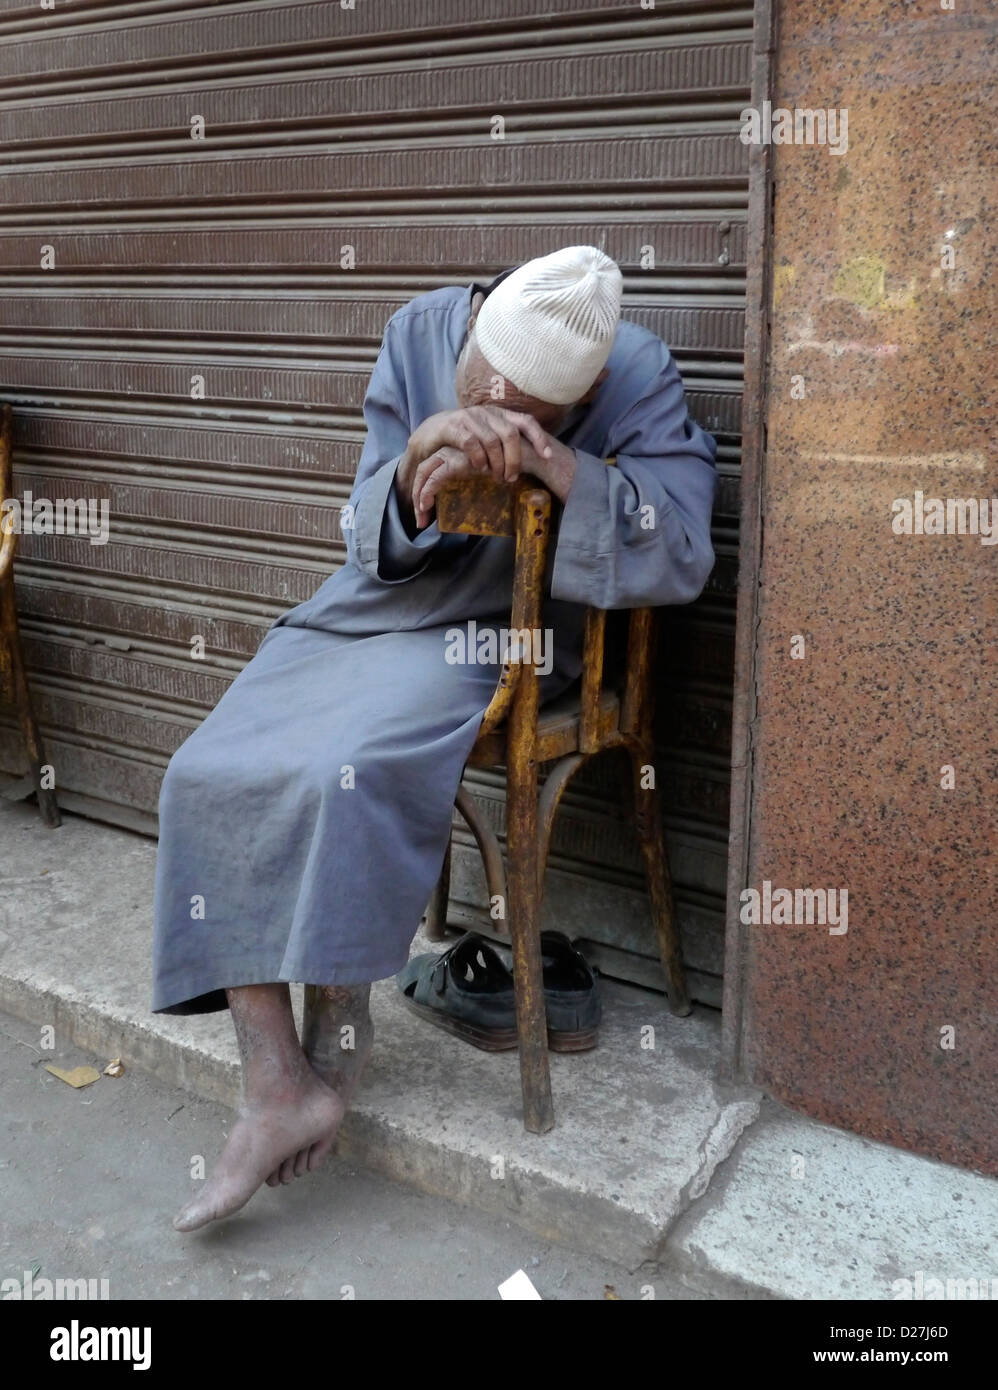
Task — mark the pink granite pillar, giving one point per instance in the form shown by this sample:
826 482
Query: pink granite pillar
870 740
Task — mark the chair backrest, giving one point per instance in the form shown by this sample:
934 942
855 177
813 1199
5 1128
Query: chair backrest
484 506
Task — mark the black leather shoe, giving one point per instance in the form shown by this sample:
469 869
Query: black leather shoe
571 995
466 990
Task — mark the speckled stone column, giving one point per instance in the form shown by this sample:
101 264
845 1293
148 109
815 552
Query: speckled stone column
874 739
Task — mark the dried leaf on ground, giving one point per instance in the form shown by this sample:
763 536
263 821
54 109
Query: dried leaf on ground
77 1076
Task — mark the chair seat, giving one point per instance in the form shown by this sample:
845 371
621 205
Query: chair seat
557 729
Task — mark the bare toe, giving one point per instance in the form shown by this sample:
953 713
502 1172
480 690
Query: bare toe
319 1150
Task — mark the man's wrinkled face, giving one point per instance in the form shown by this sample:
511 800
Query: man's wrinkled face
476 382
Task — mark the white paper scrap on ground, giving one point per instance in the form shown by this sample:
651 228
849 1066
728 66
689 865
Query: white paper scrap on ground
518 1285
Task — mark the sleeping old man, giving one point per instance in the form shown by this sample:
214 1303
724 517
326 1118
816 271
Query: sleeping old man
304 824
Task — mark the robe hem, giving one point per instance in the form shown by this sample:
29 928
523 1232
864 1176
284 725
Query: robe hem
212 998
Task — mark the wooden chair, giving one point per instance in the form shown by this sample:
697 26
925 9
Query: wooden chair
13 678
516 734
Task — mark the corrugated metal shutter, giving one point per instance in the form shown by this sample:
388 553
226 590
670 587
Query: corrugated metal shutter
175 259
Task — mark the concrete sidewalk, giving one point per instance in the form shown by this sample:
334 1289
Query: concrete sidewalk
653 1157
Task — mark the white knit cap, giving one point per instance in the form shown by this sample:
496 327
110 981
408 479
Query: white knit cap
549 327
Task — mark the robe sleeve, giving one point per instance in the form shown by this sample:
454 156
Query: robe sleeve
376 539
639 533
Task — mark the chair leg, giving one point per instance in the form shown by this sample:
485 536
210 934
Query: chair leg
489 849
436 911
554 789
648 823
523 853
10 635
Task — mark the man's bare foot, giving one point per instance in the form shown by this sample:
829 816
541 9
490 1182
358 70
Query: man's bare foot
289 1133
338 1056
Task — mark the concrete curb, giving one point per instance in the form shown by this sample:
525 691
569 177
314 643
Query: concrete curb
653 1158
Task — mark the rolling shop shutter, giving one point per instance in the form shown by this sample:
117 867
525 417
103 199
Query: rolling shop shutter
172 261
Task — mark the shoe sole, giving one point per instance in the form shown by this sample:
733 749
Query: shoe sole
485 1039
501 1039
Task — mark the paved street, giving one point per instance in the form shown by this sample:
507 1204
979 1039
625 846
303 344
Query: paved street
90 1178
